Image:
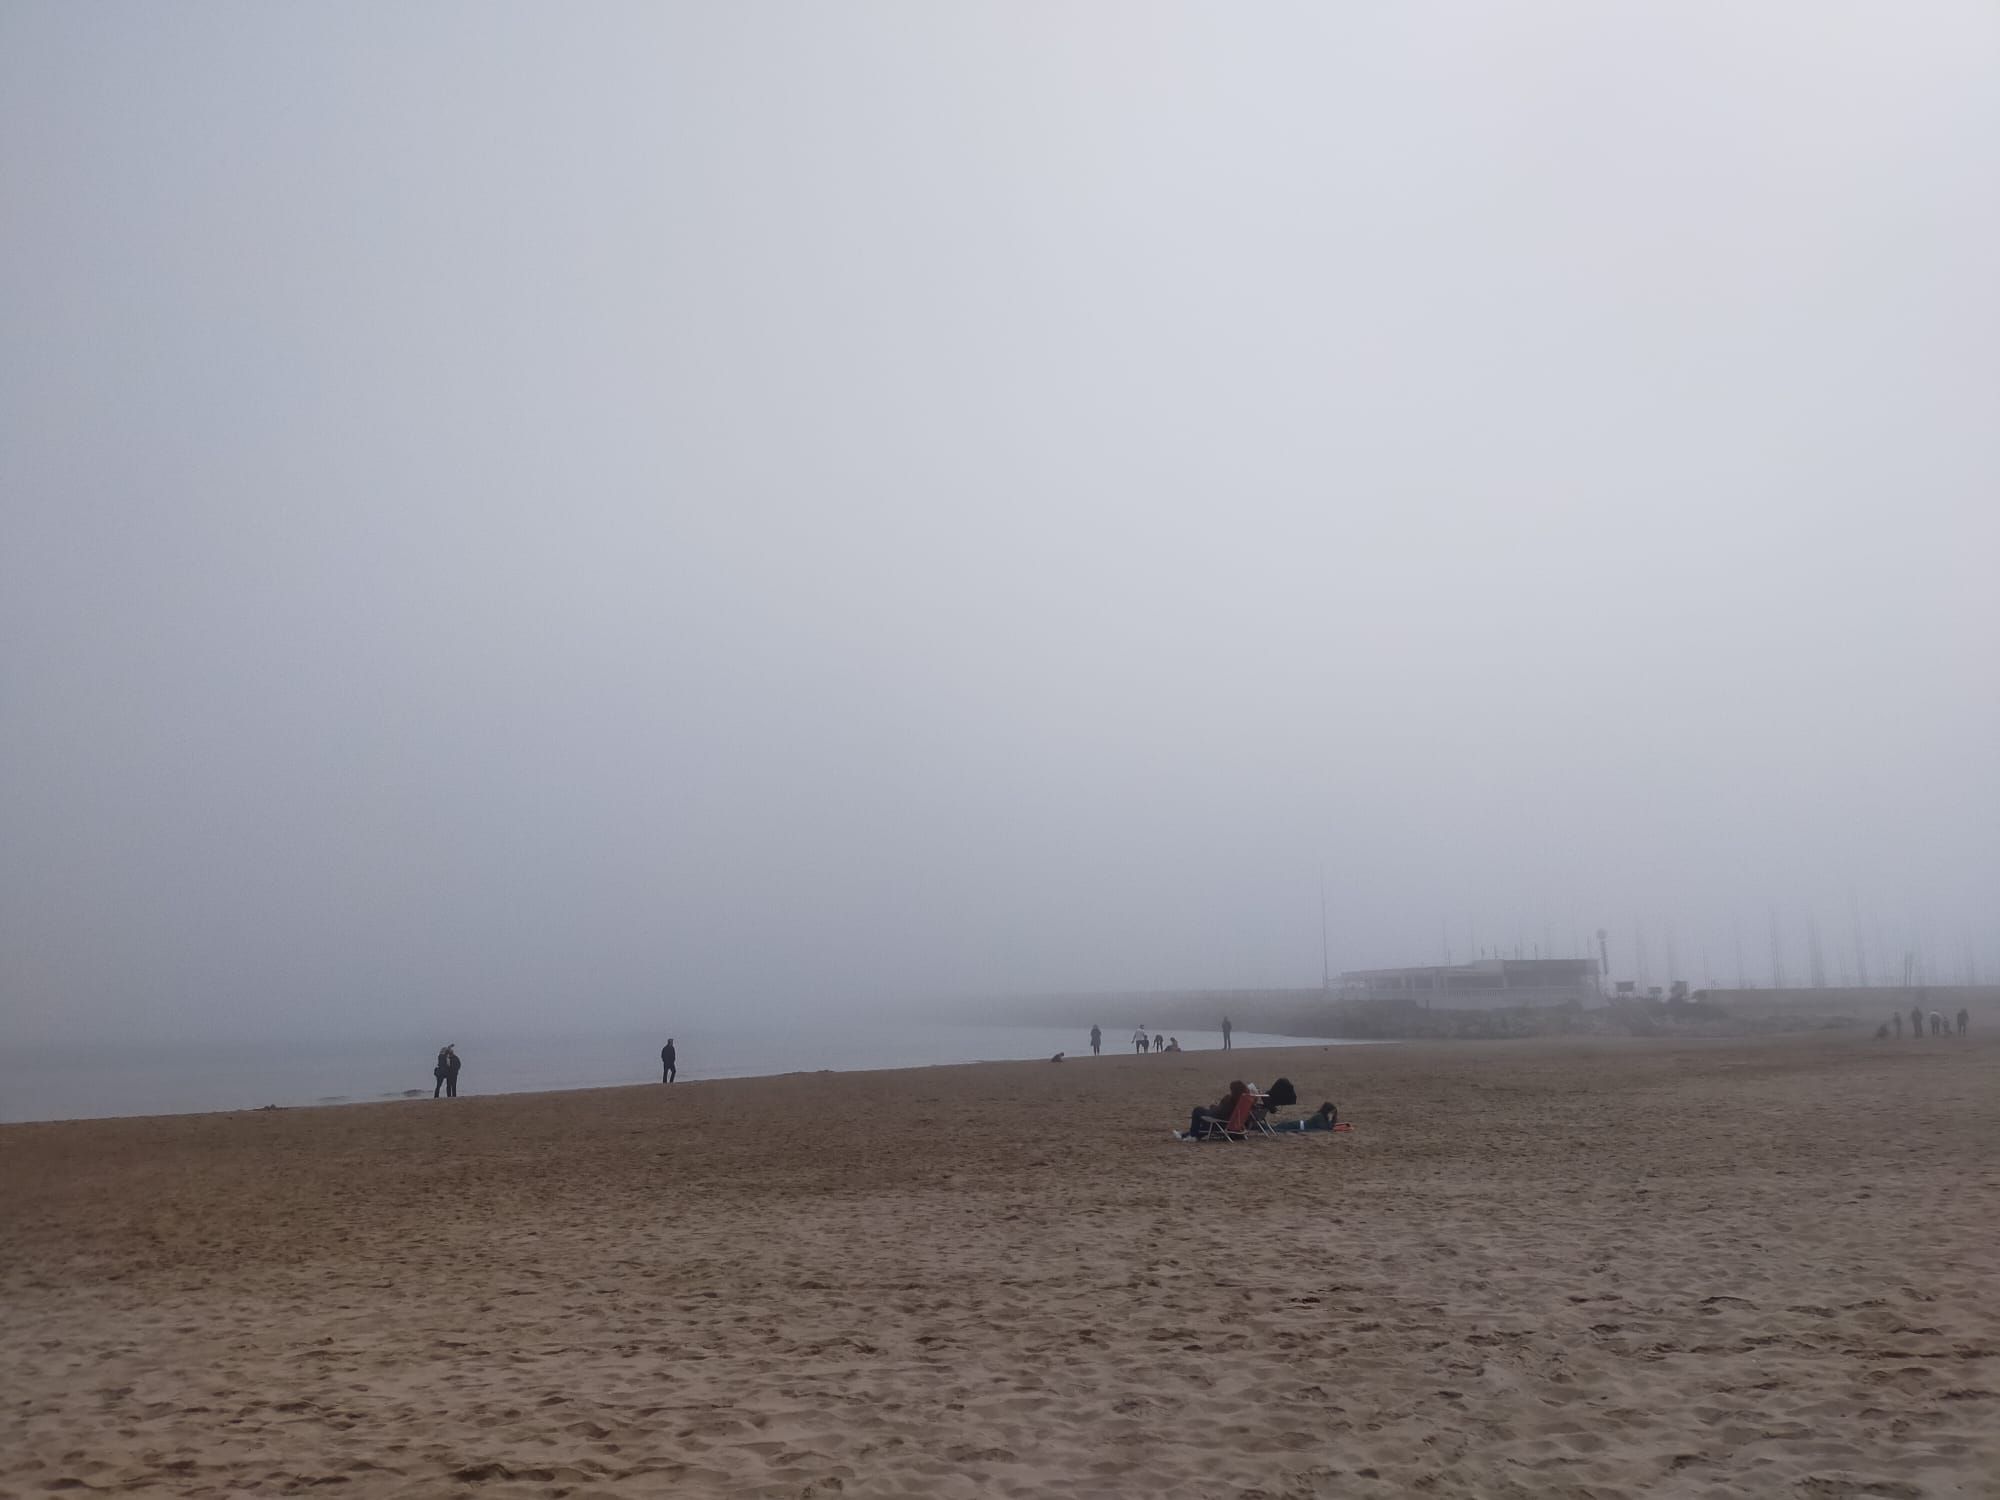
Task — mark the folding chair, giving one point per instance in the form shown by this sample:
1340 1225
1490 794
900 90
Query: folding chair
1237 1127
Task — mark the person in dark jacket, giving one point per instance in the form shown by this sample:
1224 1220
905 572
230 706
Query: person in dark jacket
1207 1116
450 1072
1323 1118
667 1069
440 1070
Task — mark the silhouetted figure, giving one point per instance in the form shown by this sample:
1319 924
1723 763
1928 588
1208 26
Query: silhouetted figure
450 1072
1159 1043
1916 1022
1937 1024
1896 1020
667 1055
1096 1041
1173 1044
1140 1041
1964 1020
443 1067
1226 1030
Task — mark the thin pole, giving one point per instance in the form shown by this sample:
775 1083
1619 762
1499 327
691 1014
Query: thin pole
1325 964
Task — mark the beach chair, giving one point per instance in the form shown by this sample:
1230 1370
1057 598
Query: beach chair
1280 1095
1237 1127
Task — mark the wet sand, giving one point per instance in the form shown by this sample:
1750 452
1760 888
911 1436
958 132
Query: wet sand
1533 1269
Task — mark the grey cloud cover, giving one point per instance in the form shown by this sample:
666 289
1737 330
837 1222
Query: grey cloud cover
517 512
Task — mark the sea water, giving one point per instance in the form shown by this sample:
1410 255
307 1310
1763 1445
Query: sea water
79 1082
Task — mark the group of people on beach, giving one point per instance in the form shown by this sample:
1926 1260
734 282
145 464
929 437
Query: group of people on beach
1245 1107
1938 1024
1144 1042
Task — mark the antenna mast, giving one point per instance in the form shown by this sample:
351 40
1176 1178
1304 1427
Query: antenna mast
1325 967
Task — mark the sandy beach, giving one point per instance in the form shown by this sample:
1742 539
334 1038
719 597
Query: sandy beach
1533 1269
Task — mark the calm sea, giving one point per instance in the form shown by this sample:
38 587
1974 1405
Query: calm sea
64 1083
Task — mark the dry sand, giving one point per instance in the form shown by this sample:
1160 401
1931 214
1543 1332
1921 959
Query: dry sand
1534 1269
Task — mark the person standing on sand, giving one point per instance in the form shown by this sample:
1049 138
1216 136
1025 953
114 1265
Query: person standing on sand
1159 1043
443 1067
1964 1020
1139 1042
667 1055
1916 1022
1096 1041
450 1071
1226 1030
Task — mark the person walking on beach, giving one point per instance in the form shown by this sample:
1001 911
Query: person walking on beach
1159 1042
443 1067
1916 1022
667 1055
1964 1020
1139 1041
1226 1030
1937 1024
450 1071
1096 1041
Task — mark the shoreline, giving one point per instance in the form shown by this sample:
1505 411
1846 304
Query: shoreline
1249 1042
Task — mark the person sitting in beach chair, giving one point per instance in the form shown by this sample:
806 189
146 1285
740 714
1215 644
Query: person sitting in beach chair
1228 1117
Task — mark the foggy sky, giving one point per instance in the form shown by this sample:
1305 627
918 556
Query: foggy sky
572 515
